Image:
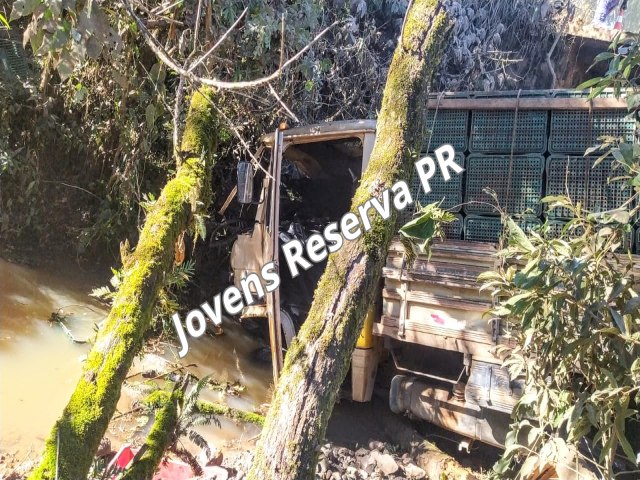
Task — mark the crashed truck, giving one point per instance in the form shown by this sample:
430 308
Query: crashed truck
430 316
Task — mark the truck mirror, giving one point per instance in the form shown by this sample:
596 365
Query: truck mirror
245 182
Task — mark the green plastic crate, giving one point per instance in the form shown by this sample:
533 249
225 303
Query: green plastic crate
13 58
574 131
492 131
449 192
450 127
488 229
576 177
492 171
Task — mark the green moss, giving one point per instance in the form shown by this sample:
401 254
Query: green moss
160 437
233 413
93 402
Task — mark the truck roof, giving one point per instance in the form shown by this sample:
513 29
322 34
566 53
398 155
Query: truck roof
324 131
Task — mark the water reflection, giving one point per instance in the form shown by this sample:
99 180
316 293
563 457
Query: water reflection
40 365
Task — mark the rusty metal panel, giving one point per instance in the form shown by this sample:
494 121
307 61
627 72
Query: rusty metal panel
490 386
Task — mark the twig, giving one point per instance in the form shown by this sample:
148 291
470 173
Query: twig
281 41
133 410
177 107
197 27
164 57
72 186
284 106
159 10
554 78
217 44
243 142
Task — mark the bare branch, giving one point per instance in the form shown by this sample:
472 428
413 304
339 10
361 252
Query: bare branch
158 10
217 44
164 57
197 27
284 105
243 142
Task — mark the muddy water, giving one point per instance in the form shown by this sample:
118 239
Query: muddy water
39 364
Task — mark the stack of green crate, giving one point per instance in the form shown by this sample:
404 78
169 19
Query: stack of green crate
506 148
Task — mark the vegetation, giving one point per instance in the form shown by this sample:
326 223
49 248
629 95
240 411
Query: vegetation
92 404
176 414
571 304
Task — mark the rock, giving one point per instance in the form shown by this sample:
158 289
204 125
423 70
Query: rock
413 471
386 464
366 460
323 465
362 452
375 445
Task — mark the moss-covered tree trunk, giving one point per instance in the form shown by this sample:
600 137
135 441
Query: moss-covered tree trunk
163 435
160 437
318 361
93 402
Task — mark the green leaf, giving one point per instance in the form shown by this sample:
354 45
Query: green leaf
618 319
22 8
603 56
589 83
517 235
632 305
4 21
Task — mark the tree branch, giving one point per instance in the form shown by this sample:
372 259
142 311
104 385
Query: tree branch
165 58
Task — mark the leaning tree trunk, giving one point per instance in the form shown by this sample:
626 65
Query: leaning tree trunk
317 362
75 437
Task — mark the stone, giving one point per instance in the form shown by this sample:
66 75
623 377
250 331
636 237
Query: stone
413 471
386 464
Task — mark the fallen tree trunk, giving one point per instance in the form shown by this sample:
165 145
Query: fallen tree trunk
93 402
318 360
159 439
229 412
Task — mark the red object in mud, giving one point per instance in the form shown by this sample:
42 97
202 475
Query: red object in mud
167 470
173 470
